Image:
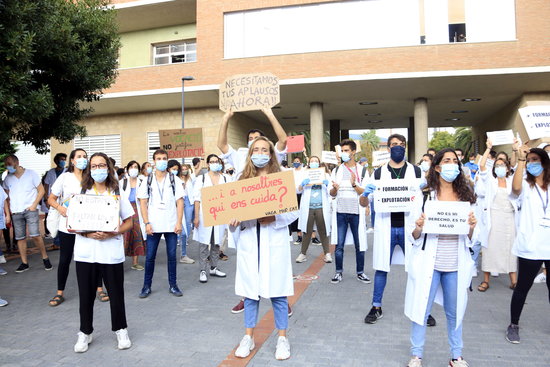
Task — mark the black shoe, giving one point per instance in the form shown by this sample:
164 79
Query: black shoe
431 321
337 278
316 241
23 267
374 315
145 292
47 264
176 291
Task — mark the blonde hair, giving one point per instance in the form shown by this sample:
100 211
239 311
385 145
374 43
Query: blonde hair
250 169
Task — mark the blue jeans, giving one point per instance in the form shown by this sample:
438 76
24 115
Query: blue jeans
189 215
343 220
153 240
448 282
280 312
380 277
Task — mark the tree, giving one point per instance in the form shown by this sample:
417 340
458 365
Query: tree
55 54
441 140
463 139
370 142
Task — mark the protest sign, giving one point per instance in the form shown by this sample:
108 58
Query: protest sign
247 92
295 144
329 157
503 137
536 120
338 150
380 157
249 199
446 217
90 213
182 143
396 195
358 146
315 175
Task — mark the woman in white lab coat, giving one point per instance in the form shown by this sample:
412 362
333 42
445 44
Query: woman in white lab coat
264 266
315 210
440 264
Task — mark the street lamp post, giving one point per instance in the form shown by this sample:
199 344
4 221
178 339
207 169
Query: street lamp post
183 97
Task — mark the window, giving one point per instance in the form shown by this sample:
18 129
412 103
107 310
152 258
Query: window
29 158
108 144
175 53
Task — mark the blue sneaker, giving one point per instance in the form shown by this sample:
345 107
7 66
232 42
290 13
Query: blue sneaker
3 302
145 292
3 272
176 291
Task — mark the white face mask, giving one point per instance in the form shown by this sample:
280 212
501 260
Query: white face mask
133 172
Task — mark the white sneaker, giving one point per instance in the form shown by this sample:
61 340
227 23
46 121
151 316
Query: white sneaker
3 302
283 349
123 339
2 259
370 230
82 343
186 260
202 277
217 273
541 278
415 362
245 346
328 258
301 258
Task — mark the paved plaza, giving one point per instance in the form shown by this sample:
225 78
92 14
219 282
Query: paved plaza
198 329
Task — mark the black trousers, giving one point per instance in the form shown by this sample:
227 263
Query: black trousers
527 271
66 250
113 276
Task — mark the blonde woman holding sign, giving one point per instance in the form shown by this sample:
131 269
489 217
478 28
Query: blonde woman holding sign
440 264
264 267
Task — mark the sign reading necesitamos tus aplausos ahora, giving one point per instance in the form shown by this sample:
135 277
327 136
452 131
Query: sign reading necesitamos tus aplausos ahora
247 92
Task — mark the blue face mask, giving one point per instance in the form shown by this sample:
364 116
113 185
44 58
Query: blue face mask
314 165
397 153
260 160
535 168
174 172
11 169
296 164
161 165
345 157
425 166
149 170
215 167
81 163
500 171
99 174
449 172
62 164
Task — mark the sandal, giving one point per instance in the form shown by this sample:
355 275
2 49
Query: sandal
103 296
56 300
513 286
483 287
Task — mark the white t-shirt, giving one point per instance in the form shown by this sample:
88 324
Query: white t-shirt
64 188
22 190
109 251
162 209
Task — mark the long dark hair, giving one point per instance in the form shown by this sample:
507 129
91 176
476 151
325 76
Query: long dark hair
131 163
460 185
71 157
210 156
174 163
111 182
508 167
545 162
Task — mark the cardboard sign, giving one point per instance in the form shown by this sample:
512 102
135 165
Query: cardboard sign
182 143
396 195
503 137
446 217
536 120
91 213
295 144
249 199
380 157
247 92
358 145
316 176
329 157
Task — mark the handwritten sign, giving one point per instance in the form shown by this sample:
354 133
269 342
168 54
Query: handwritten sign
329 157
249 199
182 143
380 157
446 217
247 92
536 120
93 213
315 175
502 137
295 144
396 195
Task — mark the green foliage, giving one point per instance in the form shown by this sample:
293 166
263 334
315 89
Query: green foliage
55 54
441 140
370 142
462 138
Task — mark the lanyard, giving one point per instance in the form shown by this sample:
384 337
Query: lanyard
544 206
356 172
108 192
161 192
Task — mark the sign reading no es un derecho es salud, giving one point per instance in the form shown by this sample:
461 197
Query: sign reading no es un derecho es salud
446 217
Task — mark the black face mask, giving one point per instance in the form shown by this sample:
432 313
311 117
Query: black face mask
230 171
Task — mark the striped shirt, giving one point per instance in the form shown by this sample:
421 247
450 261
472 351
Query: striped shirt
348 200
446 257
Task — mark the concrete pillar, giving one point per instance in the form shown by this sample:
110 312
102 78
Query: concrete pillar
344 134
334 133
316 128
411 151
420 128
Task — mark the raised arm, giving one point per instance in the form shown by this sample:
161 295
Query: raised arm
518 175
483 161
222 134
279 131
514 158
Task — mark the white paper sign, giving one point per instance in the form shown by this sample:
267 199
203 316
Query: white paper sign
536 120
380 157
93 213
396 195
503 137
329 157
316 176
446 217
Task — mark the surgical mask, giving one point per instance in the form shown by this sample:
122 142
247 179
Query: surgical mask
100 175
345 157
397 153
296 164
149 170
174 172
314 165
11 169
133 172
215 167
449 172
260 160
81 163
472 161
161 165
500 171
62 164
535 168
185 173
424 166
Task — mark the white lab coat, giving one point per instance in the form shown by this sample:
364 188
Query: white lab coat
304 205
203 234
420 270
272 277
126 194
382 229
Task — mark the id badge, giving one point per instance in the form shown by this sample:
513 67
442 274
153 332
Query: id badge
162 206
545 222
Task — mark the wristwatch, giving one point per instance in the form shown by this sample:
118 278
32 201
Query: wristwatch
147 223
354 185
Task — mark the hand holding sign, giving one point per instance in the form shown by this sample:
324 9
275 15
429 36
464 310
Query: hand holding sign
448 217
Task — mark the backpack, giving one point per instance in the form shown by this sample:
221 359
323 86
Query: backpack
172 183
362 173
